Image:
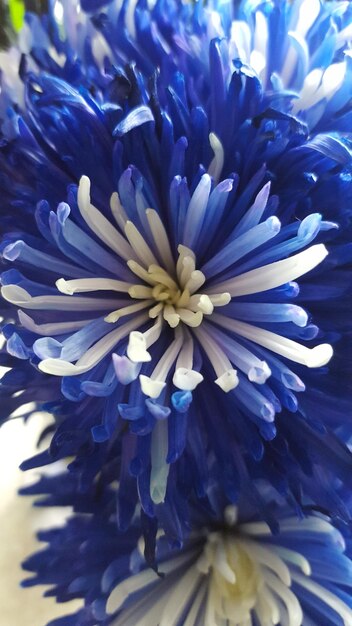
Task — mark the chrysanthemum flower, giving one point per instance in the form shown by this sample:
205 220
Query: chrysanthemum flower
176 241
231 570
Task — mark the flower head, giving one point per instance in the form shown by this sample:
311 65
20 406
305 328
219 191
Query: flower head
176 227
243 575
231 568
173 247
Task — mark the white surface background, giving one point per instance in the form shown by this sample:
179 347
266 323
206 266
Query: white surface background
18 523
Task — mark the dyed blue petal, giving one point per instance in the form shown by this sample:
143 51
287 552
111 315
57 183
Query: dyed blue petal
100 389
331 147
16 347
131 412
177 432
156 104
100 434
181 400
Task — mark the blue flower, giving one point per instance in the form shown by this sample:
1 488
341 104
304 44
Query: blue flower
177 224
231 567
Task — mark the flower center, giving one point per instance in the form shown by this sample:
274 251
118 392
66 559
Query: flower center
235 579
174 294
168 289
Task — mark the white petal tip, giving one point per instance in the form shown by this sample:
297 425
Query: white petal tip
137 348
84 180
228 380
185 251
15 294
231 514
112 317
173 319
157 494
114 603
321 252
150 387
320 355
205 305
63 287
193 320
129 227
58 367
125 370
83 195
220 299
306 569
186 380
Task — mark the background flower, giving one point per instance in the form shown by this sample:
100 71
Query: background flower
231 567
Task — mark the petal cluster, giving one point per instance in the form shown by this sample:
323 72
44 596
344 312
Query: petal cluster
184 275
175 292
